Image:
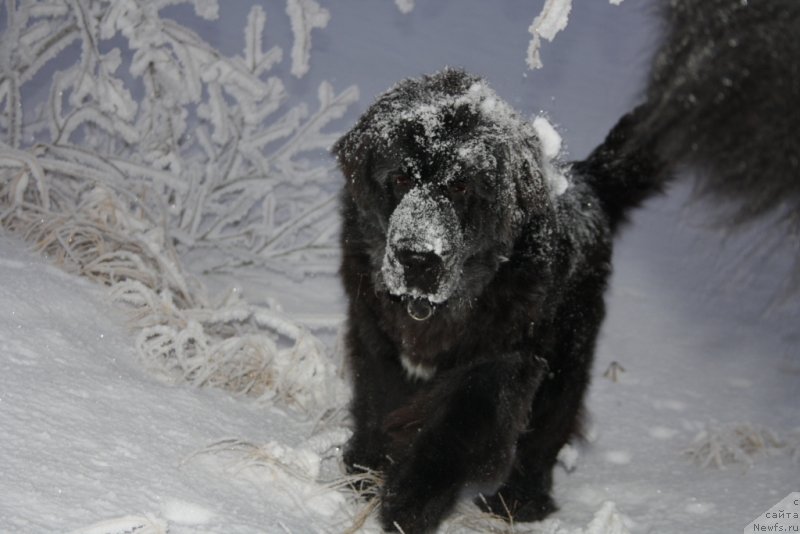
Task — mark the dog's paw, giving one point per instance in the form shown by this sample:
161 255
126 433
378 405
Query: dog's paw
362 455
410 503
526 509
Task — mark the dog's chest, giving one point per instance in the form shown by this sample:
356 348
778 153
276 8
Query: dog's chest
425 348
417 370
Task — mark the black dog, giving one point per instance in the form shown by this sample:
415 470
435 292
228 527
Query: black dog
475 266
476 294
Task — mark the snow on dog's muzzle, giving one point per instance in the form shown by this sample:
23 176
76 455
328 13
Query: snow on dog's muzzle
424 252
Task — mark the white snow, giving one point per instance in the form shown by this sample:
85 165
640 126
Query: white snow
549 137
405 6
94 444
618 457
186 513
550 140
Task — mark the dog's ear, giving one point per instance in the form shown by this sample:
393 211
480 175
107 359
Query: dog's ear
528 176
352 152
355 154
540 177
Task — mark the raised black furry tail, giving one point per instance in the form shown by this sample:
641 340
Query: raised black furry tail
724 99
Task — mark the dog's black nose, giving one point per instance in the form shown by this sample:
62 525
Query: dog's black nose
421 269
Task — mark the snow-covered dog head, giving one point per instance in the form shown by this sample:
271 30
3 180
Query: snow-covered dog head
444 176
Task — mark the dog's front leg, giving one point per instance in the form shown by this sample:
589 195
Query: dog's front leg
463 431
379 386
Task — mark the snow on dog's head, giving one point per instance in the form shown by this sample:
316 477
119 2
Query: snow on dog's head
444 175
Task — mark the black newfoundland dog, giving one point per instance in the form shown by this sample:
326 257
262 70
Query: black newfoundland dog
475 270
475 266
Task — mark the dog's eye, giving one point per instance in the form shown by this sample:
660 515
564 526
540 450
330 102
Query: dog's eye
402 180
457 187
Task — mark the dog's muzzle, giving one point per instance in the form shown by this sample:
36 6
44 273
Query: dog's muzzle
424 252
422 270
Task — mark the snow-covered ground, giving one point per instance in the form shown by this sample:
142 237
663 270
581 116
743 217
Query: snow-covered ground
94 444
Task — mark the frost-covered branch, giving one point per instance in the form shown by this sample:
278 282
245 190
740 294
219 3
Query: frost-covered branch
551 20
204 138
107 234
150 145
721 445
305 16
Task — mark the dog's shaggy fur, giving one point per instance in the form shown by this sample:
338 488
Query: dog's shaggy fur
451 210
475 267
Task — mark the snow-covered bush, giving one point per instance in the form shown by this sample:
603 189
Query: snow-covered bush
721 445
149 144
142 105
